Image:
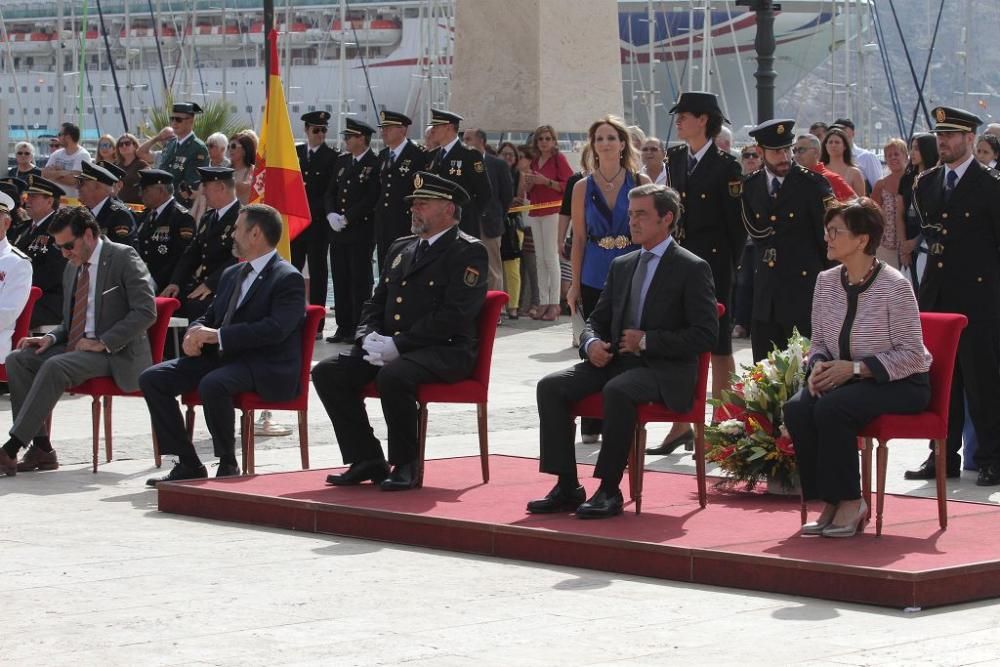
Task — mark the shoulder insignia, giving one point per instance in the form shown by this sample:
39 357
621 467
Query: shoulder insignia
478 166
20 253
202 156
471 277
122 230
397 260
735 188
677 149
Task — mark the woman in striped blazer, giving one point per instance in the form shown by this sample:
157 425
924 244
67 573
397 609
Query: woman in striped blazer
867 358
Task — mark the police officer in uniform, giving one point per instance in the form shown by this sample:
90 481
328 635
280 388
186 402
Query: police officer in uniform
958 205
47 261
166 228
463 165
710 182
418 327
783 205
183 153
197 273
350 205
96 185
316 161
15 188
397 163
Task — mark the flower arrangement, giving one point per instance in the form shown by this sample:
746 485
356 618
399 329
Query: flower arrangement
748 441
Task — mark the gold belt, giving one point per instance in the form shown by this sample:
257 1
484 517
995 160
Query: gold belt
612 242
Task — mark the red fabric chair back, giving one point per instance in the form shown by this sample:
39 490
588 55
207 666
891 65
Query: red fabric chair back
941 333
157 334
24 319
314 314
489 314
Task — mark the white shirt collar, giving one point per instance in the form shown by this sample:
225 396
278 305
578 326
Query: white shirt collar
225 209
701 152
447 149
432 239
97 209
771 177
95 257
161 207
181 140
960 169
35 224
661 247
257 265
358 158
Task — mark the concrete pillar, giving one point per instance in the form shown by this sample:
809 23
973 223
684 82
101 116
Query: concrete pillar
521 63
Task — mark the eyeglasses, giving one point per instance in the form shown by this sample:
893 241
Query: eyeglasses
751 156
23 152
125 143
318 130
177 119
69 245
832 232
798 150
649 149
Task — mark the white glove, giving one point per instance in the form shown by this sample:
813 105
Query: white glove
369 338
337 221
380 348
374 358
389 353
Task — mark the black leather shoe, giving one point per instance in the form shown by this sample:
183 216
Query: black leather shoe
989 475
558 500
361 471
340 336
668 446
928 470
602 505
179 473
402 478
227 470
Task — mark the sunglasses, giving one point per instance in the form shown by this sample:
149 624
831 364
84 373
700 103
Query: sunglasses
649 149
125 143
318 130
801 149
751 156
546 139
69 245
23 152
177 119
105 144
234 145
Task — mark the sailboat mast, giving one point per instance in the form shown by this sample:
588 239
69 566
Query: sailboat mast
60 111
651 97
342 106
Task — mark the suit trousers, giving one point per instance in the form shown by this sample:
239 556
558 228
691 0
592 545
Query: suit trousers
37 381
825 430
339 381
217 382
352 282
311 246
495 281
624 383
588 299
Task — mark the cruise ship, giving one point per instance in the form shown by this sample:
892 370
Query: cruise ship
355 58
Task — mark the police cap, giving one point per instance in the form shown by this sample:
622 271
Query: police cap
209 174
191 108
774 134
40 186
356 128
443 117
317 118
393 119
95 172
950 119
432 186
699 103
148 177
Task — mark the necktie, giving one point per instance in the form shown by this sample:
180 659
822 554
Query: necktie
234 298
775 186
309 156
692 163
635 294
422 248
949 187
78 323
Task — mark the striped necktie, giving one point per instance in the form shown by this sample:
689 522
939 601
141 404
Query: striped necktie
78 323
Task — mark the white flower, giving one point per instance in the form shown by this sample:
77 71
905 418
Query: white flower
795 353
750 392
731 427
770 371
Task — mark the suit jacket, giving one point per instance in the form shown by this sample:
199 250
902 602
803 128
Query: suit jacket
47 265
790 249
162 242
392 211
962 235
209 253
124 308
502 185
431 307
264 332
353 192
683 323
116 221
316 175
465 166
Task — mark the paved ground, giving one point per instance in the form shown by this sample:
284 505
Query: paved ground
97 576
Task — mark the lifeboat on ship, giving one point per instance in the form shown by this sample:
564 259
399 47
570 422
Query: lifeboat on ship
23 42
297 34
373 32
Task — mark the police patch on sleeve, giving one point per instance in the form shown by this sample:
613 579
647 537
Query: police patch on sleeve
478 167
186 233
471 277
735 188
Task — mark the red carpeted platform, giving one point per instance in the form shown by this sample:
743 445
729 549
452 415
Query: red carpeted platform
740 540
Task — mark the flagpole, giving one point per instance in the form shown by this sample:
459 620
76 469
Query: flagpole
268 27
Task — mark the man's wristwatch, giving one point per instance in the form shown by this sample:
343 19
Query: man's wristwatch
642 343
857 370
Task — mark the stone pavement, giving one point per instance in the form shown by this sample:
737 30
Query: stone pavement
97 576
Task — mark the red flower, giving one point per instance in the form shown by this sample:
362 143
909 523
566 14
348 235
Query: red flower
762 423
729 411
785 445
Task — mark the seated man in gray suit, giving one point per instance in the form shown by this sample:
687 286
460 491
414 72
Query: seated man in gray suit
641 344
108 308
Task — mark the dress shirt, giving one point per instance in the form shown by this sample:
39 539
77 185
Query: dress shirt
220 212
97 209
868 163
700 154
95 259
256 266
447 149
771 177
661 178
431 239
162 207
359 156
959 170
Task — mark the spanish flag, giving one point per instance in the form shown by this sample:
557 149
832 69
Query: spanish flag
277 180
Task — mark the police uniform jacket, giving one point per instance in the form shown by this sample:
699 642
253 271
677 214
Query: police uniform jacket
430 307
316 174
116 221
465 166
162 241
790 249
353 193
183 160
209 253
392 211
962 235
47 264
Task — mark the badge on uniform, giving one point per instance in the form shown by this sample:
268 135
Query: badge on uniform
405 167
735 188
340 173
471 277
396 261
478 166
162 249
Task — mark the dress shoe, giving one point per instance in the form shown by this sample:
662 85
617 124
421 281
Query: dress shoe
590 438
227 470
816 527
402 478
361 471
8 464
602 505
740 331
558 500
341 335
928 469
852 527
179 473
37 459
667 447
989 475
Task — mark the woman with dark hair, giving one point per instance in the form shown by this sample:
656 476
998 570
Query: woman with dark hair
126 147
923 156
988 150
836 155
242 154
513 237
867 358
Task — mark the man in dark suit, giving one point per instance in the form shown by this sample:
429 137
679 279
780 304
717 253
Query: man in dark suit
96 185
103 332
397 163
350 202
783 206
196 277
316 161
634 353
36 241
418 327
958 203
463 165
248 340
166 228
495 212
710 182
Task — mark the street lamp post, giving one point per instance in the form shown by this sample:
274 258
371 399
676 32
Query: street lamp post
764 46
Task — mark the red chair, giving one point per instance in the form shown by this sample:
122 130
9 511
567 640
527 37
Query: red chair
941 334
106 388
248 402
21 325
474 390
593 406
